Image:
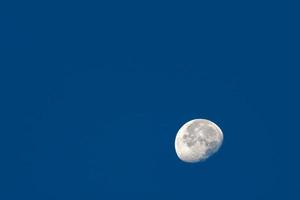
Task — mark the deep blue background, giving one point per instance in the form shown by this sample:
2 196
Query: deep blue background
92 95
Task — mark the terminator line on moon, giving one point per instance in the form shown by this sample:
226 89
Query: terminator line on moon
197 140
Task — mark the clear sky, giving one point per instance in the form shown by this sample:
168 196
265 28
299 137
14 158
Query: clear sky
93 94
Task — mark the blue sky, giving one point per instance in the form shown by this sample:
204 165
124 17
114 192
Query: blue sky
93 94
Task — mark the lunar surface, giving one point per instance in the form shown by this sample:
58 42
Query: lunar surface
197 140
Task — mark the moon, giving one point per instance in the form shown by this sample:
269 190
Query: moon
197 140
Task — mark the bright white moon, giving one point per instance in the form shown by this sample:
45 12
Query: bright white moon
197 140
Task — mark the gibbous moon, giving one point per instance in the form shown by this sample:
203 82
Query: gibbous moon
197 140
